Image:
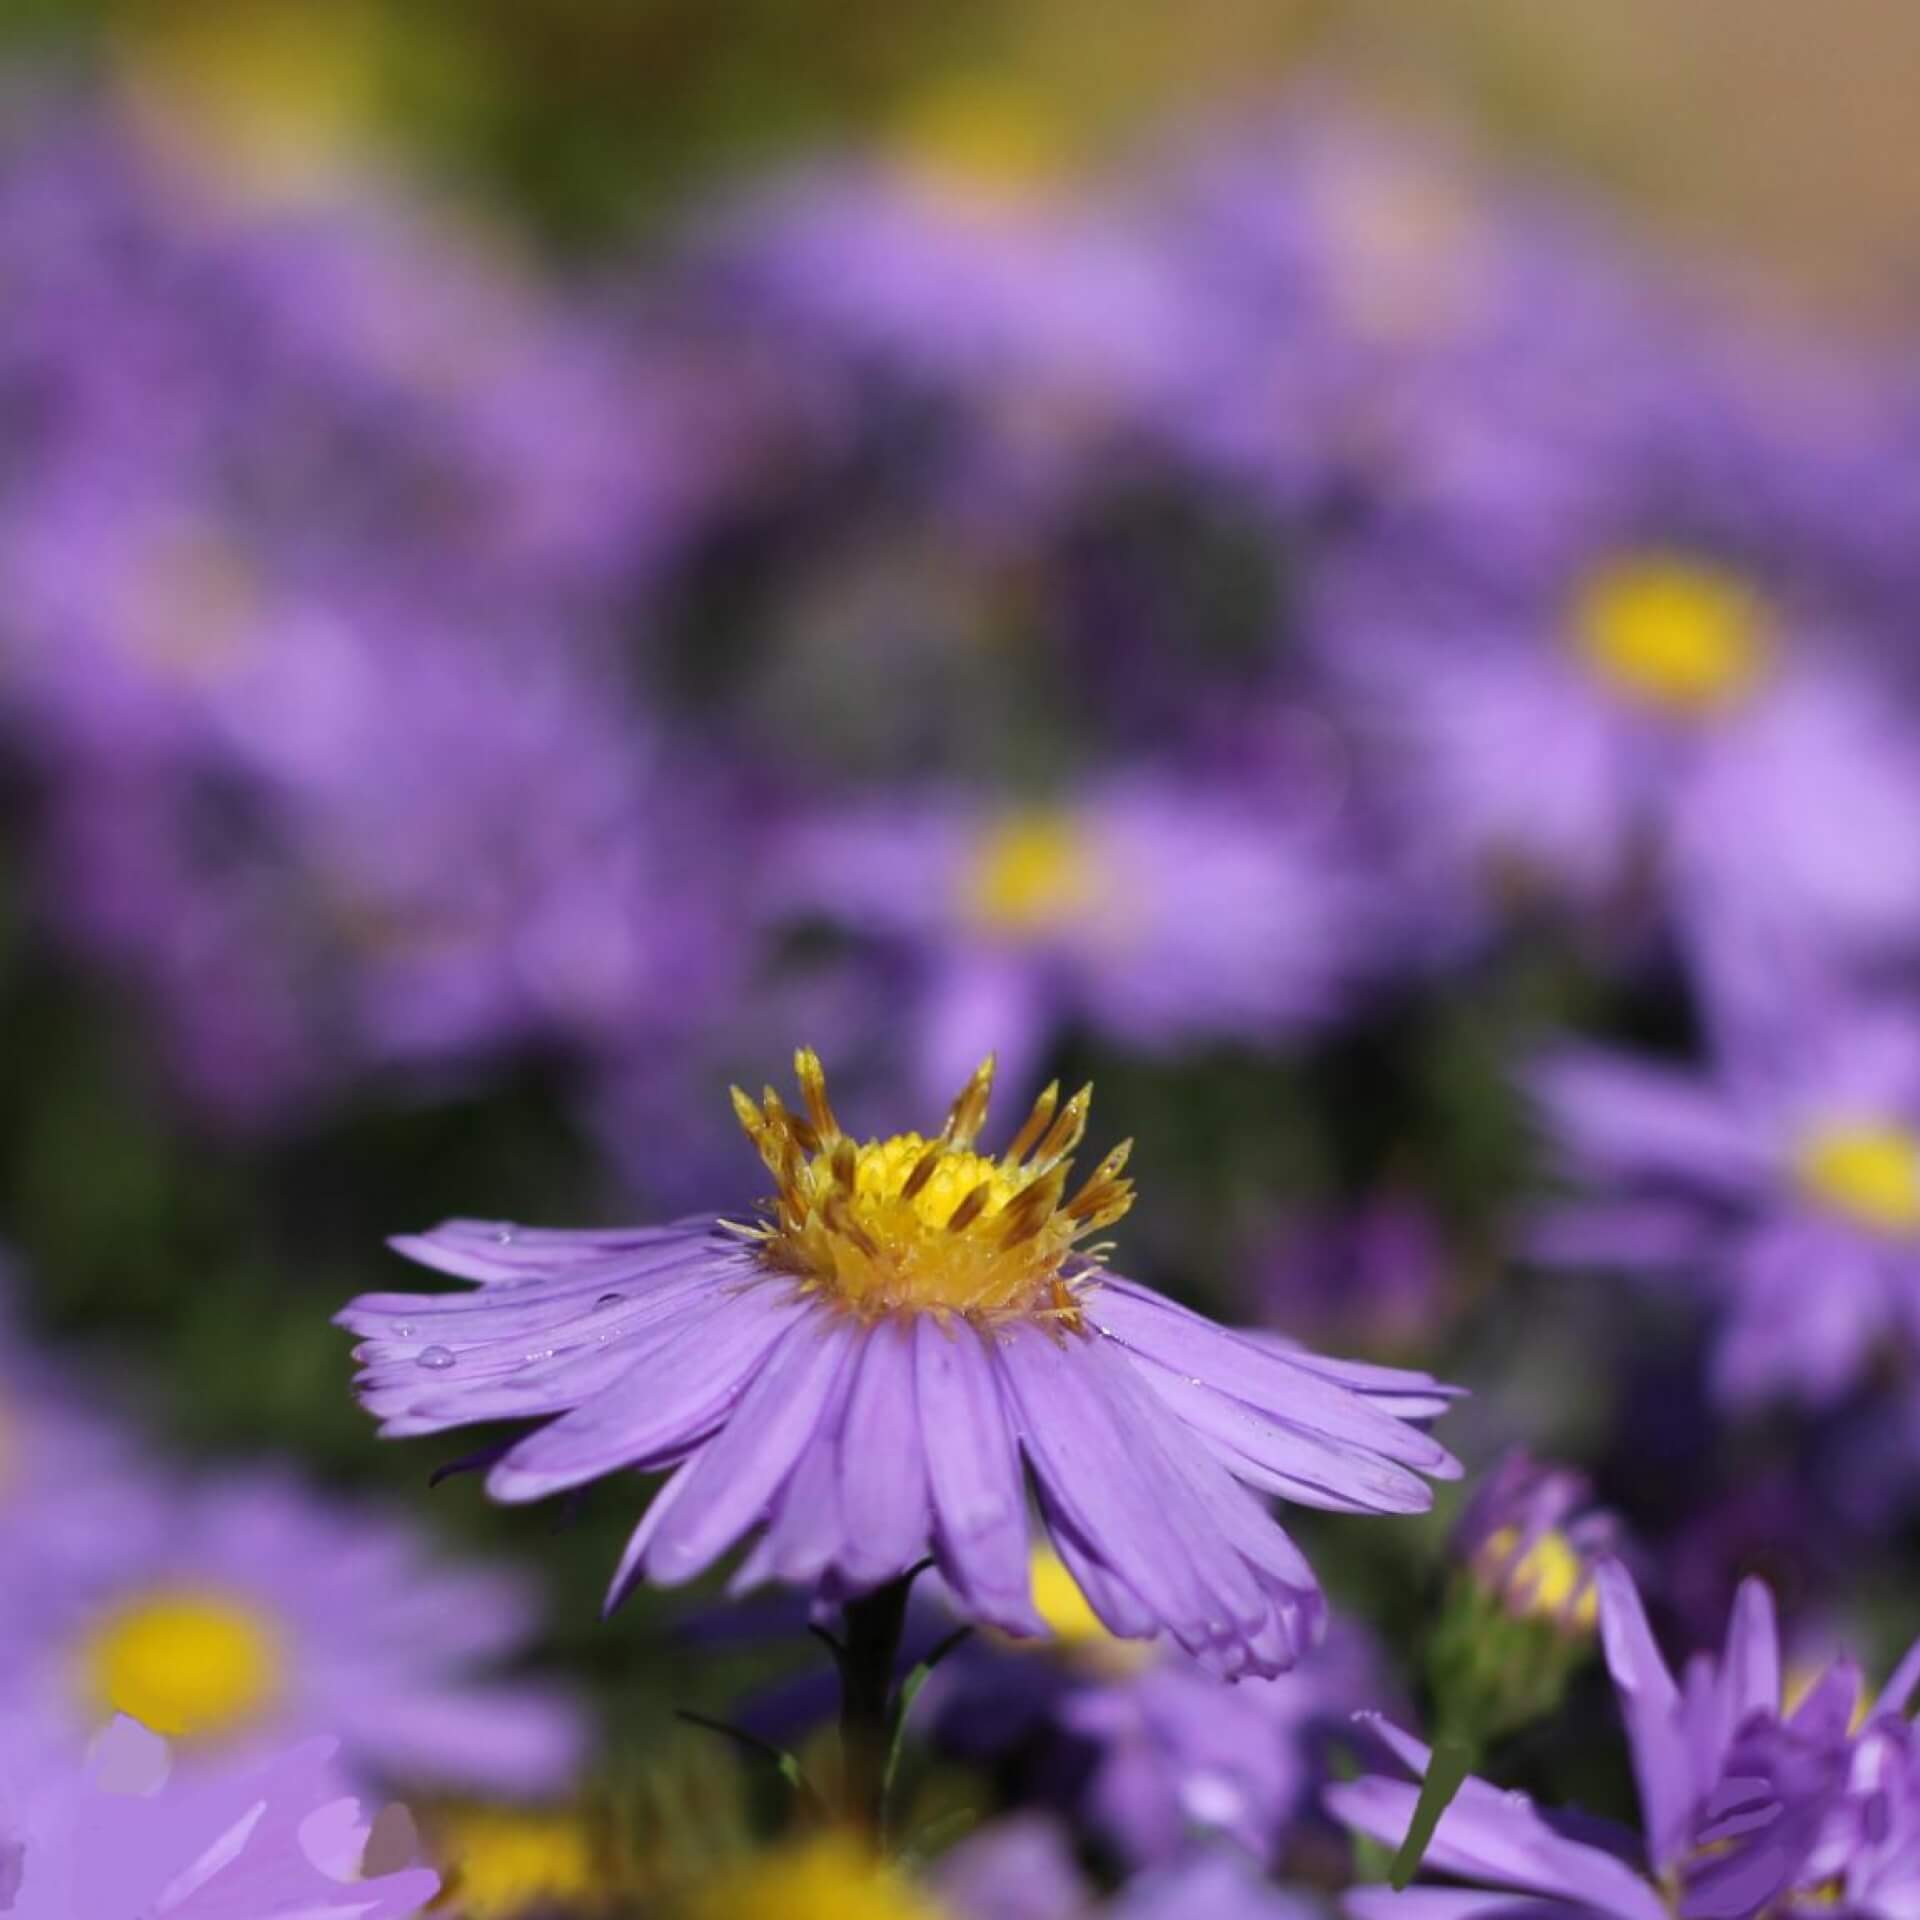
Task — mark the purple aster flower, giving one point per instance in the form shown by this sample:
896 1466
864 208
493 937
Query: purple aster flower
118 1830
1165 912
1141 1742
244 1612
1790 1155
1531 1534
1737 1792
865 1377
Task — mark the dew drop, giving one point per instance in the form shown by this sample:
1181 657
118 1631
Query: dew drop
1518 1801
503 1237
609 1299
434 1359
403 1331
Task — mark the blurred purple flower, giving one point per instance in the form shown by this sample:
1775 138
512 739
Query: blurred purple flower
1376 1275
1784 1177
870 1372
237 1613
119 1831
1736 1791
1161 913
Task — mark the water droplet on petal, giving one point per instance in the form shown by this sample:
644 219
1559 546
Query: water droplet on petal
434 1359
503 1237
403 1331
608 1299
1518 1801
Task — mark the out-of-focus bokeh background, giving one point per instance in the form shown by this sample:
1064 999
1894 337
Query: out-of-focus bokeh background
1288 558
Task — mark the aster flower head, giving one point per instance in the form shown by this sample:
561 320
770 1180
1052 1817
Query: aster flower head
1748 1804
1789 1153
864 1377
1165 911
1531 1537
240 1612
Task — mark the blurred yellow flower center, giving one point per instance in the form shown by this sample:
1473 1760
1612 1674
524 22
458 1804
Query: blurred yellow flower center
1031 873
978 139
501 1862
919 1225
1075 1629
267 96
1869 1173
1672 633
188 1664
1543 1581
832 1876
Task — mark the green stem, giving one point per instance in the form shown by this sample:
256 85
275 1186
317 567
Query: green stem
1447 1772
870 1651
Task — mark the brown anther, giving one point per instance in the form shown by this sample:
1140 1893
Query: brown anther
1035 1123
813 1090
749 1116
839 1216
922 1171
1102 1183
1032 1207
970 1209
782 1119
969 1112
844 1163
1065 1133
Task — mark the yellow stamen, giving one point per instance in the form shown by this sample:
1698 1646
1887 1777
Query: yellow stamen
981 142
1869 1173
831 1876
192 1665
501 1863
1032 873
1675 634
917 1225
1543 1582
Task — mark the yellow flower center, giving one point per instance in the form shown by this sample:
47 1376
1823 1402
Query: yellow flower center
1032 873
1076 1632
917 1225
283 91
1871 1174
191 1665
501 1862
980 140
1671 633
1542 1583
832 1876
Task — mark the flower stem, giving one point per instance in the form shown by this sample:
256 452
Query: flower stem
870 1651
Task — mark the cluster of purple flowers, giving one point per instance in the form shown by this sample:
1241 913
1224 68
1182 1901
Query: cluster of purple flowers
1290 622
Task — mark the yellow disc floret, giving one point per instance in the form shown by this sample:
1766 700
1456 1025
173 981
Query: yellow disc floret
1869 1173
1675 634
981 142
499 1863
190 1664
1031 873
832 1876
918 1225
1548 1581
